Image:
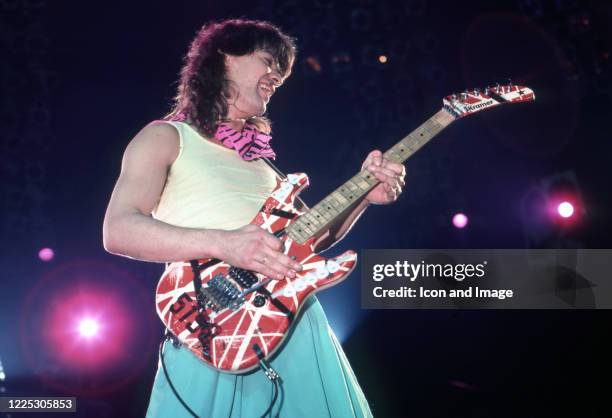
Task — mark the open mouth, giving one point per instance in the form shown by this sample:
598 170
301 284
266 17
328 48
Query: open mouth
267 91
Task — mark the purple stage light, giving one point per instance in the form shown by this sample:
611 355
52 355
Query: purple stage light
460 220
46 254
565 209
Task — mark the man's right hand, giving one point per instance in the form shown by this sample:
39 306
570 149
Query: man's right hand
253 248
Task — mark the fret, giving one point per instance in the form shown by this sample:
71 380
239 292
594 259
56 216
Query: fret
334 202
296 233
328 205
321 207
431 132
341 206
323 213
432 127
404 151
423 132
344 192
358 186
443 118
362 183
367 178
355 191
410 143
312 218
319 215
422 138
351 186
302 224
310 229
428 127
311 221
344 200
435 127
394 155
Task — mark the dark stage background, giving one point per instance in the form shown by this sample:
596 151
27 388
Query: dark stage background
80 79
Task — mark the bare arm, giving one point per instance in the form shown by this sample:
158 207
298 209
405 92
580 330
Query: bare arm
129 229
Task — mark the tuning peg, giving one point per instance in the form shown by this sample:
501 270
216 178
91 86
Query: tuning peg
454 96
476 92
510 82
464 95
497 88
486 91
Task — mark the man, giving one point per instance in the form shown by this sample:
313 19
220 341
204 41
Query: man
188 188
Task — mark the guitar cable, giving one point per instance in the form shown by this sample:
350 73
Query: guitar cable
270 373
175 343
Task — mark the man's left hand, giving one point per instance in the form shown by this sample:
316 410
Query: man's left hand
391 176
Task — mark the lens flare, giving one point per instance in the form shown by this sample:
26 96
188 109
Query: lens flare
46 254
88 327
460 220
565 209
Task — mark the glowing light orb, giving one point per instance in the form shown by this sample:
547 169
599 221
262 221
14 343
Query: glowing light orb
46 254
460 220
88 328
565 209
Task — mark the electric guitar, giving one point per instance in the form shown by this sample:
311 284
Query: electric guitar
232 318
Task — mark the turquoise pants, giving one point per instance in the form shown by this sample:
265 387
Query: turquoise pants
317 380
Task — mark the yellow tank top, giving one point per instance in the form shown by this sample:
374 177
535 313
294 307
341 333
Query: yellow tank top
210 186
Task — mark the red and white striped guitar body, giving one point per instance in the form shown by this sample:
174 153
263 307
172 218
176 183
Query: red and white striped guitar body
224 336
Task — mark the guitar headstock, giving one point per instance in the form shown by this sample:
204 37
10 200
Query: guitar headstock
470 102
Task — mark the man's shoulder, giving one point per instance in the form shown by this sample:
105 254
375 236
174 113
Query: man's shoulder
161 128
160 138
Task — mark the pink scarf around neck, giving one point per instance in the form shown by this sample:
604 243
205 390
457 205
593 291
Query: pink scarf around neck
250 143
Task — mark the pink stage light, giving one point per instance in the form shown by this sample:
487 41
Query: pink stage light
78 320
460 220
565 209
46 254
88 327
86 317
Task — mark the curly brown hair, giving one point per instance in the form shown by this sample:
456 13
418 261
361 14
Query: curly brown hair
203 88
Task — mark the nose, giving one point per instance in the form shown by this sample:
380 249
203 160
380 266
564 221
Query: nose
275 78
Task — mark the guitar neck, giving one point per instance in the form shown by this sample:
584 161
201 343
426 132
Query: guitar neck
336 204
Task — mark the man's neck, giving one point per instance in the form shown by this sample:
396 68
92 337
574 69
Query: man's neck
237 124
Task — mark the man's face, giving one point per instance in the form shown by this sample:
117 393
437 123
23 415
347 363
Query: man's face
253 78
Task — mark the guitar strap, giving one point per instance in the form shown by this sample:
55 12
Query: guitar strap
275 168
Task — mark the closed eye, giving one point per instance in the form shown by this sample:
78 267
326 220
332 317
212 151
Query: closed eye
268 61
